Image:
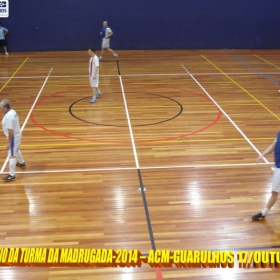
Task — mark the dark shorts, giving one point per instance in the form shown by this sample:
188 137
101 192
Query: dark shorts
3 43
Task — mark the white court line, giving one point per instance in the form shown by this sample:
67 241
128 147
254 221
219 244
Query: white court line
144 168
207 165
26 119
82 76
197 74
129 123
69 76
226 115
140 75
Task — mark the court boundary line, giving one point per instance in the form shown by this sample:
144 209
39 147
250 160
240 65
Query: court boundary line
147 74
199 73
128 118
256 70
241 87
10 78
226 115
28 115
266 61
142 188
226 165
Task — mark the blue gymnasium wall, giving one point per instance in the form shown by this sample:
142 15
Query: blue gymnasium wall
38 25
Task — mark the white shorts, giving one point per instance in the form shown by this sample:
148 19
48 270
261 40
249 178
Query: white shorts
94 82
14 146
106 43
276 180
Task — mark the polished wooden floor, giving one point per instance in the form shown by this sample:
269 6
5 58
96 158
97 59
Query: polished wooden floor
197 122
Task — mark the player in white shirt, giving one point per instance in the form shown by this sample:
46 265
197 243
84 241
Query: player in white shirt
11 129
94 74
106 34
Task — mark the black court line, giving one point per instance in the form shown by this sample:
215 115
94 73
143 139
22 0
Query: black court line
142 188
70 110
146 210
119 71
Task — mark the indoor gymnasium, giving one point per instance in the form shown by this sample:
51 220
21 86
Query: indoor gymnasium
140 140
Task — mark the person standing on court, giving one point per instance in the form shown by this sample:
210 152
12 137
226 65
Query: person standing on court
11 129
3 33
106 34
274 147
94 74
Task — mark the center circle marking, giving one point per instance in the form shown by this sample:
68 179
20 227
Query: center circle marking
180 107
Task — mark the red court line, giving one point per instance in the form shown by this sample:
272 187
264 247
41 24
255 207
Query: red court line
128 142
158 273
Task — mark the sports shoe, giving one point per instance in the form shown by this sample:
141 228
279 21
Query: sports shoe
20 164
9 178
99 94
6 53
100 57
115 56
92 101
258 217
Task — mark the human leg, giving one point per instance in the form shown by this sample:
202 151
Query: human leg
112 51
273 198
14 145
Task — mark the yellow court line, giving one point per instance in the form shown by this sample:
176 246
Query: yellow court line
82 108
241 87
110 84
208 140
13 74
240 104
99 108
56 86
79 143
267 61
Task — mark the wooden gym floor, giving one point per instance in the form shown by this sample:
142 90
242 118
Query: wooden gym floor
166 159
